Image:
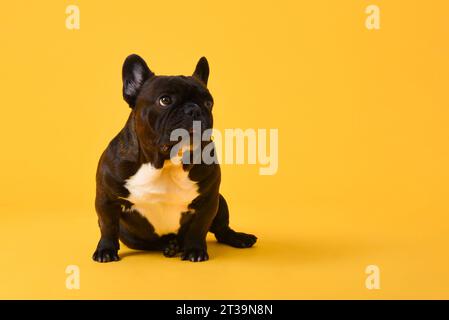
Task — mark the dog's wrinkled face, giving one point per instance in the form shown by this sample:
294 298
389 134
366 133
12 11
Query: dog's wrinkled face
168 103
163 104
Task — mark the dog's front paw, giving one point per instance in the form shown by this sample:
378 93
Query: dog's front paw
105 255
195 255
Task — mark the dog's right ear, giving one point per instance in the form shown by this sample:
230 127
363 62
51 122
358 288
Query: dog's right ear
134 74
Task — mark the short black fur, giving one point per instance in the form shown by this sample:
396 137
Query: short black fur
145 139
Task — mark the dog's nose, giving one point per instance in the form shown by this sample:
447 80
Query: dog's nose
192 109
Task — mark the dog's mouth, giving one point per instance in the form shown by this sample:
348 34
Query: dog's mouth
186 143
165 148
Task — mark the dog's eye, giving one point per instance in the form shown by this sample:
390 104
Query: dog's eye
208 104
165 101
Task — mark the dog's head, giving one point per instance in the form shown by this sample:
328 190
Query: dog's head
164 103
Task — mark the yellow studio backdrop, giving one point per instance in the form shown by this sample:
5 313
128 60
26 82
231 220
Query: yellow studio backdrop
362 115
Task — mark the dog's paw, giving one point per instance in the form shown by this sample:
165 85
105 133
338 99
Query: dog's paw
172 248
237 239
105 255
195 255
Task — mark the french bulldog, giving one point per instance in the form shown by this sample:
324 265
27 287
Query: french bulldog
144 198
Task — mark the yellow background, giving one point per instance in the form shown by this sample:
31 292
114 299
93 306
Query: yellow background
363 145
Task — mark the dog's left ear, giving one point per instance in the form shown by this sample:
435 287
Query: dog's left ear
134 74
202 70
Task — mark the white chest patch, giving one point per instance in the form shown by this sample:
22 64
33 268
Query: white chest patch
161 195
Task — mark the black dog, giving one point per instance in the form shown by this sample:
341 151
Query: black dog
143 197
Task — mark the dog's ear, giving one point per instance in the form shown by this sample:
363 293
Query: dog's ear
134 74
202 70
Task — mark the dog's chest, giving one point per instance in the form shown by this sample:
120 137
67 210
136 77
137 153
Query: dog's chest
162 195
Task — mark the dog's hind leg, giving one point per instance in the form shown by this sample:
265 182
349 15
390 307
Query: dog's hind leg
224 234
168 244
136 243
